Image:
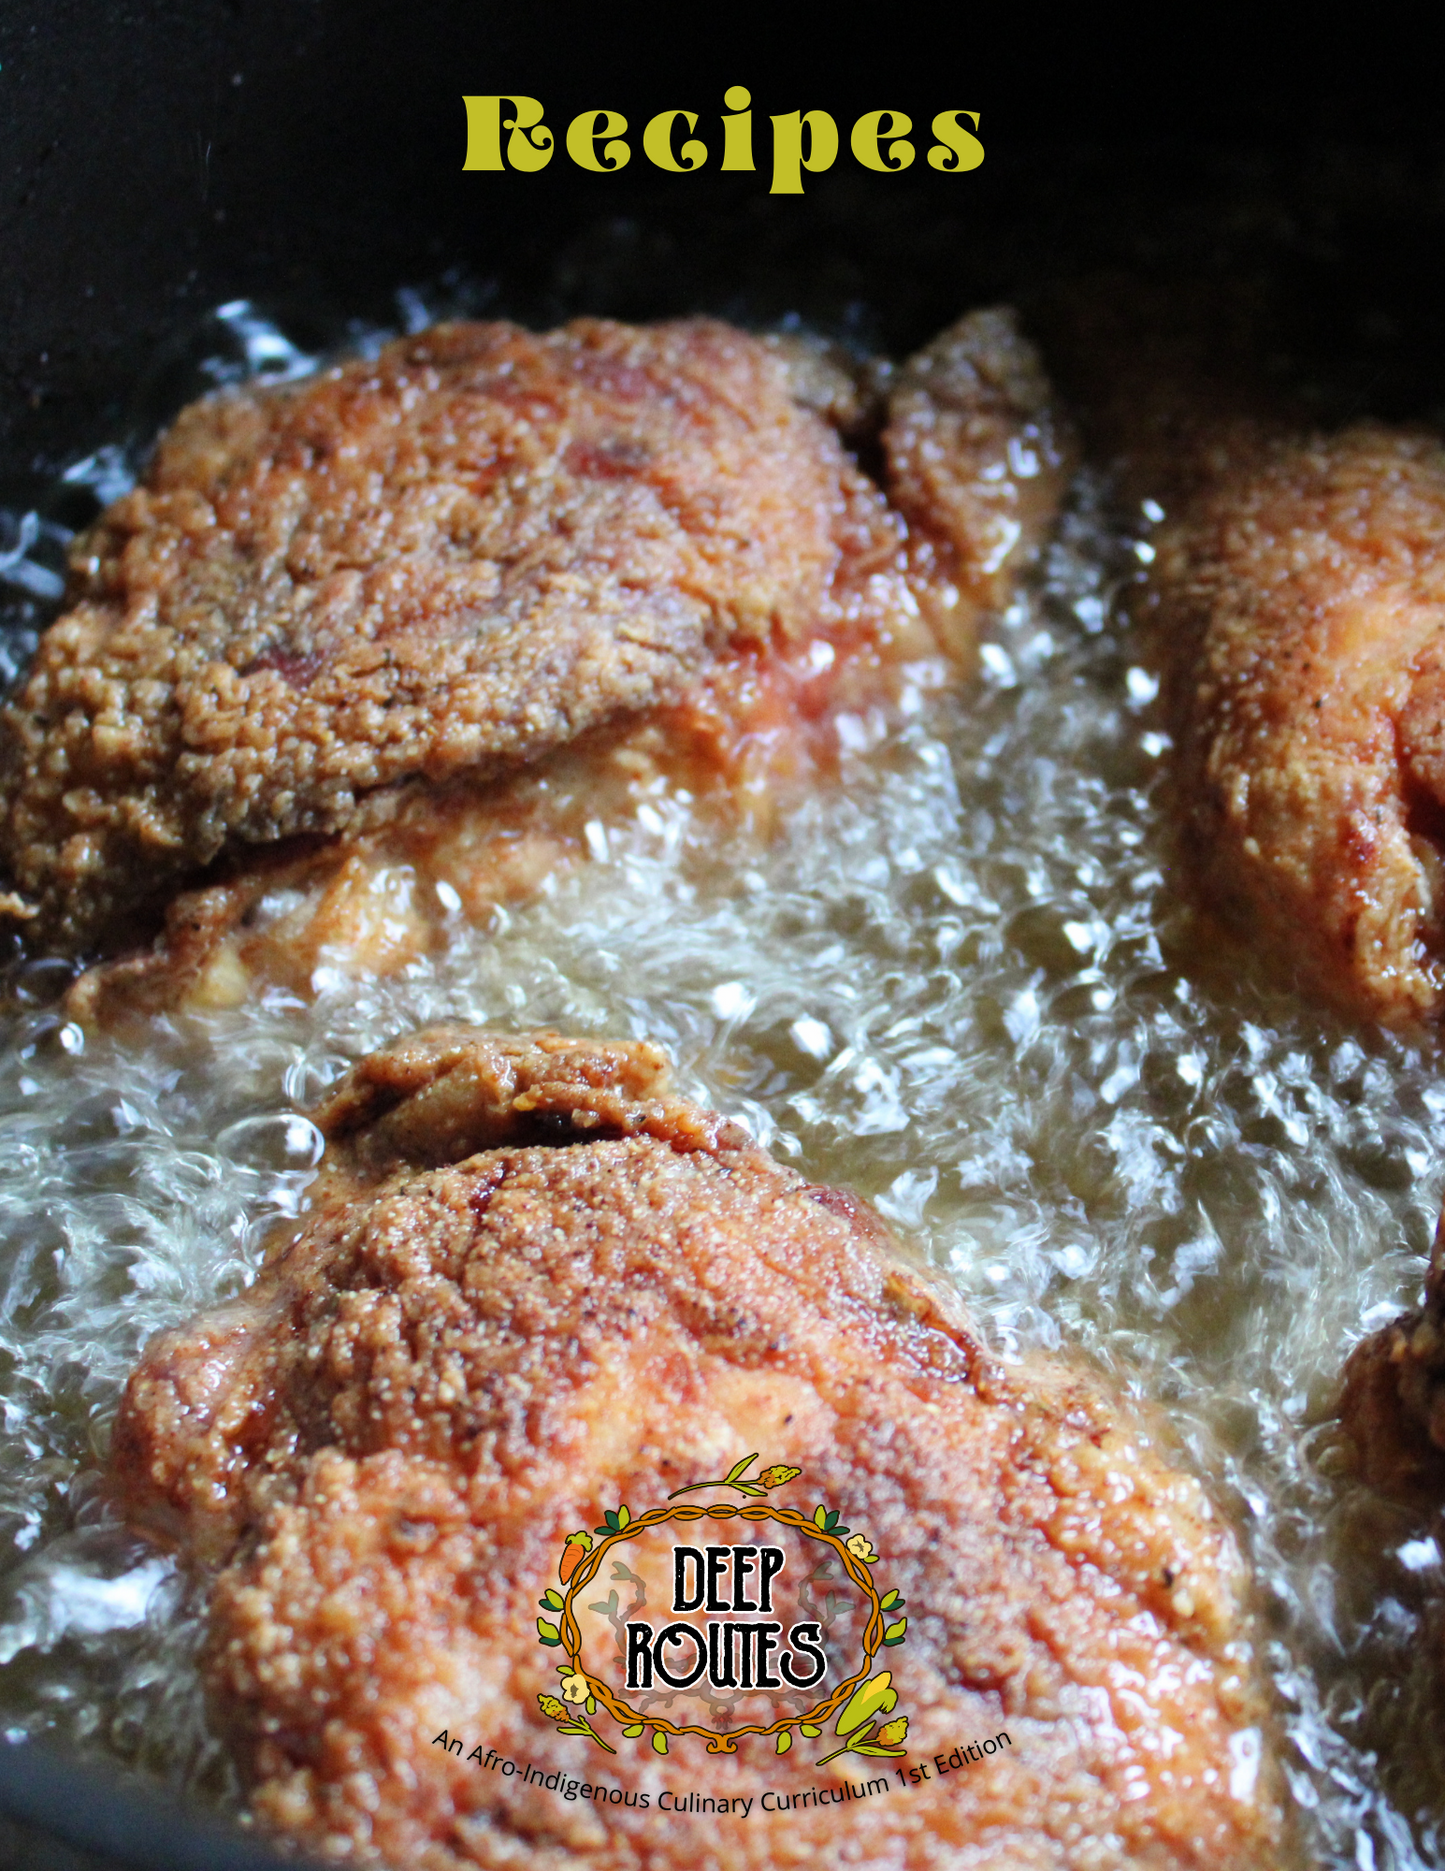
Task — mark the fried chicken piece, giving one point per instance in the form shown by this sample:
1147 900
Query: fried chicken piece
534 1284
415 578
976 464
1295 604
1392 1406
1299 605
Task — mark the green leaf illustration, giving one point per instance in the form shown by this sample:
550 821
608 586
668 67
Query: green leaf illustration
739 1469
624 1518
895 1632
807 1728
550 1600
548 1633
633 1732
659 1741
820 1517
785 1741
585 1728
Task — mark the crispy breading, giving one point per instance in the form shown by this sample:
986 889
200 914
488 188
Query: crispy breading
535 1282
1299 609
977 463
443 565
1294 597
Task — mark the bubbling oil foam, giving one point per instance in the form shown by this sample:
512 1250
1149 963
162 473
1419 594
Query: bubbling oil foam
960 983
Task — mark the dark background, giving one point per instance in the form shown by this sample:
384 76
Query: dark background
161 156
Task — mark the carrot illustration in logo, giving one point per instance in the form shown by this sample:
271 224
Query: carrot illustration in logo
578 1545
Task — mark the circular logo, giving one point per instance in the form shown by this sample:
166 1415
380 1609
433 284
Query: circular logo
723 1620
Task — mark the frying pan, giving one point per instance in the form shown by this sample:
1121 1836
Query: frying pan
160 158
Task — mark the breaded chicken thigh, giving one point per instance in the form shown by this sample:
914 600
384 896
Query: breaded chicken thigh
534 1284
373 647
1295 596
1300 608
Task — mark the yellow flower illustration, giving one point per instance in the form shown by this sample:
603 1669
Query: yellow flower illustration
576 1688
861 1547
551 1706
893 1732
578 1544
775 1477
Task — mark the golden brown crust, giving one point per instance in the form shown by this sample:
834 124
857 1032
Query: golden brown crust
384 1444
1299 606
445 1093
977 463
454 559
1294 595
450 559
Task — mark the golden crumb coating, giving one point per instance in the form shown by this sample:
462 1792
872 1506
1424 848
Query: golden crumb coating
439 567
1299 605
977 463
1294 593
535 1284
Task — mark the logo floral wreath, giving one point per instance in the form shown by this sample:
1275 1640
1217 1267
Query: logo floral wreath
858 1704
